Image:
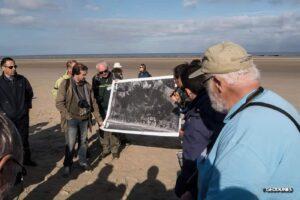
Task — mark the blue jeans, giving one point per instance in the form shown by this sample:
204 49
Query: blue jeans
76 126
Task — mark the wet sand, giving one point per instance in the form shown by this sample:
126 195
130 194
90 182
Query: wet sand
149 164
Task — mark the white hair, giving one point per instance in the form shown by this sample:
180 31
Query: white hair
102 63
241 77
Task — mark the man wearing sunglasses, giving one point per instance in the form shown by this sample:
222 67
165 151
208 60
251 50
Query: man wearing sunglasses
102 86
16 101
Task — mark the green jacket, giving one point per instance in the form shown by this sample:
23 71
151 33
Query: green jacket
58 82
101 88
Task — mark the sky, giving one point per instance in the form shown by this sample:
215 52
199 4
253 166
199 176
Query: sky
47 27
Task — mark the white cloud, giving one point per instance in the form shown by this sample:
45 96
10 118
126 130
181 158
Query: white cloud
12 17
158 28
263 32
31 4
190 3
284 1
92 7
7 12
259 33
22 20
193 3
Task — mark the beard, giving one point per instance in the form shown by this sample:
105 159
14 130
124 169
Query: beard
216 101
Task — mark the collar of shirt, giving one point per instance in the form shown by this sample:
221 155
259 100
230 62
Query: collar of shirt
9 78
66 76
237 106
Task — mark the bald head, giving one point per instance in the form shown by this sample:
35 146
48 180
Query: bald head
102 66
102 69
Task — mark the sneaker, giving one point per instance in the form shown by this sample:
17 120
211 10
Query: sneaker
116 155
104 154
66 172
85 167
30 163
88 154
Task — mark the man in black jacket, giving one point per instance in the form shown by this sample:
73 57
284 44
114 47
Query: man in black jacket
102 86
16 100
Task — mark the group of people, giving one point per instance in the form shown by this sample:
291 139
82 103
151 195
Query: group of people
76 99
202 125
239 140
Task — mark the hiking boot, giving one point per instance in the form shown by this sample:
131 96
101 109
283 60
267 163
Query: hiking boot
88 154
85 167
116 155
104 154
66 172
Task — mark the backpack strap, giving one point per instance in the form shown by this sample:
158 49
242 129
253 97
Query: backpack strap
68 81
262 104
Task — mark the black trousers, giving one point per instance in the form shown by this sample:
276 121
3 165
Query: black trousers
187 179
22 126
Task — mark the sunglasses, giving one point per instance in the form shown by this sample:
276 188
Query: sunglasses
103 72
12 66
207 79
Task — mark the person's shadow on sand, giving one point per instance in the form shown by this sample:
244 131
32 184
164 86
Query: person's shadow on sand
101 188
151 188
48 149
45 153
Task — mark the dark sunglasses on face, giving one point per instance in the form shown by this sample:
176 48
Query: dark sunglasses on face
103 72
207 79
12 66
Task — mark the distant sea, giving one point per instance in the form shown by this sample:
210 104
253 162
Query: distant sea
145 55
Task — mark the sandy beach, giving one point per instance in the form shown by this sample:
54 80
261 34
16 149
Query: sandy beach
148 166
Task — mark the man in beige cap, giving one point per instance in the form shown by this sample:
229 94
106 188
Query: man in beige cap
256 155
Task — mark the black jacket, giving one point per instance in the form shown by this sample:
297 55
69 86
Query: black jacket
101 88
144 74
202 126
15 96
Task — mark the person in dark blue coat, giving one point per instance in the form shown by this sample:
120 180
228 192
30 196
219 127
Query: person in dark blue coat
201 128
143 72
16 101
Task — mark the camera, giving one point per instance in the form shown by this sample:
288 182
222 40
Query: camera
85 108
176 90
83 104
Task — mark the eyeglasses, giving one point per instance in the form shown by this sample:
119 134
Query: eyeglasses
207 79
103 72
12 66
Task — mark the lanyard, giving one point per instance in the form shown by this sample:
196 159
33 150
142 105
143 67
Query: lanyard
248 100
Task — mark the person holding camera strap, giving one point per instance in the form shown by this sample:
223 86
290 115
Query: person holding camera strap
75 101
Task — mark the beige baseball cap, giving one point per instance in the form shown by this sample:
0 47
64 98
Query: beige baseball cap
223 58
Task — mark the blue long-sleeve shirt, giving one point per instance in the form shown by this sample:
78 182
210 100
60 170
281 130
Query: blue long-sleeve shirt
257 149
